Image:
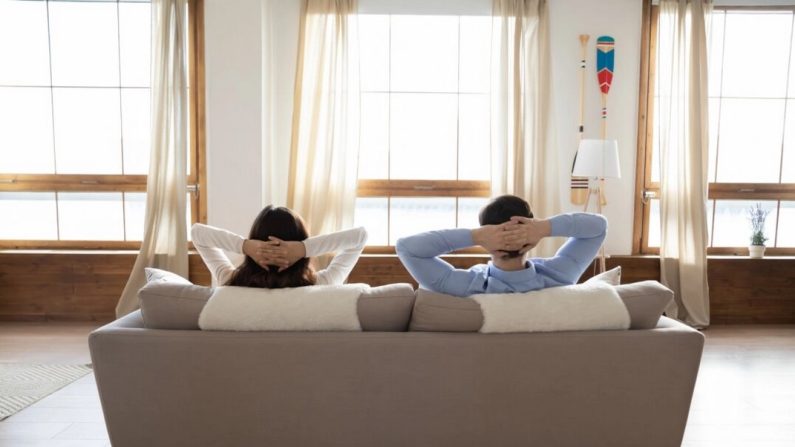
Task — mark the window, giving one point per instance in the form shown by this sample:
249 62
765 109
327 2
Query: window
424 161
74 122
752 132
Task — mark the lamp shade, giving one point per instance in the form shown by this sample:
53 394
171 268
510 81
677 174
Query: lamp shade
597 158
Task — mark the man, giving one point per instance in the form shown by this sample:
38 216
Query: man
508 232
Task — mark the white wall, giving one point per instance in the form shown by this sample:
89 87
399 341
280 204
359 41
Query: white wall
246 111
620 19
249 98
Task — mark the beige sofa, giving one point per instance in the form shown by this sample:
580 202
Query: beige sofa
380 389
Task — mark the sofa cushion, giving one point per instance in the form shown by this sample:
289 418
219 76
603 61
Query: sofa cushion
645 301
579 307
311 308
172 305
436 312
612 277
158 275
386 308
169 305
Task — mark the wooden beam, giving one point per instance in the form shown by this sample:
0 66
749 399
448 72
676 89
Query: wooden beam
423 188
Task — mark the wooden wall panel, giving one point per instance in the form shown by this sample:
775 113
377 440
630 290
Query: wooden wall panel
86 286
38 286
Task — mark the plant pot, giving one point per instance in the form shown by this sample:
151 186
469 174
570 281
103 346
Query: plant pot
756 251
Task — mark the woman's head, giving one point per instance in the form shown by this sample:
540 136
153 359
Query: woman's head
284 224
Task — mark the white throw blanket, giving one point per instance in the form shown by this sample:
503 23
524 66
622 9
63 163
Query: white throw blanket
594 306
311 308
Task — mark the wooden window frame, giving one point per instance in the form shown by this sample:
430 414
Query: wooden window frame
197 179
645 188
422 188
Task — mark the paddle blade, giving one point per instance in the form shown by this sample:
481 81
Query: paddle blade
605 61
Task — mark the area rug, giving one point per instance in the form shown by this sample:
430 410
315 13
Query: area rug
23 384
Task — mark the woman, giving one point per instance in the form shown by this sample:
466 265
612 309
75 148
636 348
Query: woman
278 252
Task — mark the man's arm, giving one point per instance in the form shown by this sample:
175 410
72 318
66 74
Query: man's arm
586 232
420 255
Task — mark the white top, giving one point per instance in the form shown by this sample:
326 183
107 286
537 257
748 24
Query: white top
211 243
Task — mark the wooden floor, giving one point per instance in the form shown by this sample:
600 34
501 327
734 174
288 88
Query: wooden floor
745 395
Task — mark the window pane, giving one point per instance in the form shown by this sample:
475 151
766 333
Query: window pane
732 226
87 131
26 131
411 215
24 49
423 136
135 214
474 160
714 119
372 214
750 140
91 216
715 46
468 210
374 150
655 153
134 43
710 216
788 166
28 216
475 53
424 54
136 134
756 54
374 52
791 82
654 223
84 44
786 223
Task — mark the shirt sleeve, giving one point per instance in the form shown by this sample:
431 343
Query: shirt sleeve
586 232
211 242
420 255
347 246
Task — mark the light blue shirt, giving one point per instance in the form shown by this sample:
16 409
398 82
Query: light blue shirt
420 254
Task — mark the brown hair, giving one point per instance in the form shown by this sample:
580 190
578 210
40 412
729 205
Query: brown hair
286 225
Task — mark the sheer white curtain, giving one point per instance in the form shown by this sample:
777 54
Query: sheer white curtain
524 159
683 132
165 237
325 134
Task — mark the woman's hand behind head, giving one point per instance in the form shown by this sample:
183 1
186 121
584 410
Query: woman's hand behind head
289 252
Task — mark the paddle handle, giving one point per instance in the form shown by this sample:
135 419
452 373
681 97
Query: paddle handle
583 54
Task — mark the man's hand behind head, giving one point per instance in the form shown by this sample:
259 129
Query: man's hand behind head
507 237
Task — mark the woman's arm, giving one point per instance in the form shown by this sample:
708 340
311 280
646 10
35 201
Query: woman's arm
211 242
347 246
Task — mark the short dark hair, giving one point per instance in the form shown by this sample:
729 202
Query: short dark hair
500 210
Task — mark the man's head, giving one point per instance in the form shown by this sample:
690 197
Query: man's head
500 210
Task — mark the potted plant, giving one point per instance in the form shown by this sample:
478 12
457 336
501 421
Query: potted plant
757 216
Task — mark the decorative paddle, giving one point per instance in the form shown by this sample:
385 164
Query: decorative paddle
605 61
579 185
